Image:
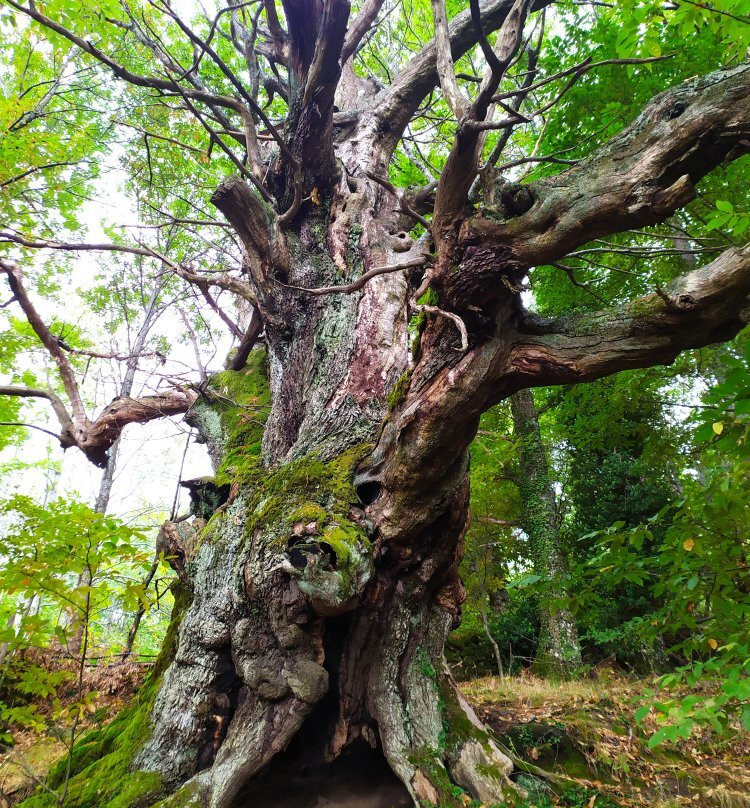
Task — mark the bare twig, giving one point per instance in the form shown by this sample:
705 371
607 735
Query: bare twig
32 426
360 282
449 315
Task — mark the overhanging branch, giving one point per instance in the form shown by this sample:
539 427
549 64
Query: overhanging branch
359 27
93 438
707 305
456 100
434 424
109 424
638 178
48 340
67 435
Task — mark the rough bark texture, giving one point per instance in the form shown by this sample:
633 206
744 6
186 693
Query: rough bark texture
299 602
559 651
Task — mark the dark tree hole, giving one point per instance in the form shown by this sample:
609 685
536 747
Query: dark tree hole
368 492
300 549
299 778
205 496
677 110
224 702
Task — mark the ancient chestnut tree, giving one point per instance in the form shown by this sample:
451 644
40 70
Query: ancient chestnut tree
319 576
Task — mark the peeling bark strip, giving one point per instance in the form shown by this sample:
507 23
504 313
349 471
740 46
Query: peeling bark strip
320 577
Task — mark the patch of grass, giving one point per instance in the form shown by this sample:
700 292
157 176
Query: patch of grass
531 691
31 754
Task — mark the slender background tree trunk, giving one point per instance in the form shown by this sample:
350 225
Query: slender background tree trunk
77 627
559 650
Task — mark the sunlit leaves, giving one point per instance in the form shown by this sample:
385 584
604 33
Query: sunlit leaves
699 577
51 129
646 22
60 559
726 217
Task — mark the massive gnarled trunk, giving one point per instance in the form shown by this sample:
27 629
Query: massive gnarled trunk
326 582
323 588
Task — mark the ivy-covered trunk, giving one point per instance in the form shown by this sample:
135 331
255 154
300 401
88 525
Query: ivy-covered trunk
559 649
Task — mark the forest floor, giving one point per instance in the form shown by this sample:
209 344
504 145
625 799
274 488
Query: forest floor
583 729
36 750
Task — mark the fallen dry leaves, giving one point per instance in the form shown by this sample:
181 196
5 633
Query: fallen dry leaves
597 716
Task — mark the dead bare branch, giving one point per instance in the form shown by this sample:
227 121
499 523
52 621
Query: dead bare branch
449 315
457 101
360 282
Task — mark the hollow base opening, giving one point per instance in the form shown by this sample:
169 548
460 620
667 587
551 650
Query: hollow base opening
359 778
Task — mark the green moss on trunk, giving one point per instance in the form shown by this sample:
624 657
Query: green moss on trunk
400 389
237 405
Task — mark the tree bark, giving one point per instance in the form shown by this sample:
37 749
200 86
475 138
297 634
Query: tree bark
559 650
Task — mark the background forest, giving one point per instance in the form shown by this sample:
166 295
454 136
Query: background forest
610 528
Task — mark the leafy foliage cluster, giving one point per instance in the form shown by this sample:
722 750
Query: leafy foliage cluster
66 571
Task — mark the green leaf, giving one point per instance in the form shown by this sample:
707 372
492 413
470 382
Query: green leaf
746 717
659 737
641 713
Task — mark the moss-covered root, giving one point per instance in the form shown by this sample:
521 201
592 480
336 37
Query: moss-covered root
474 759
191 795
431 737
